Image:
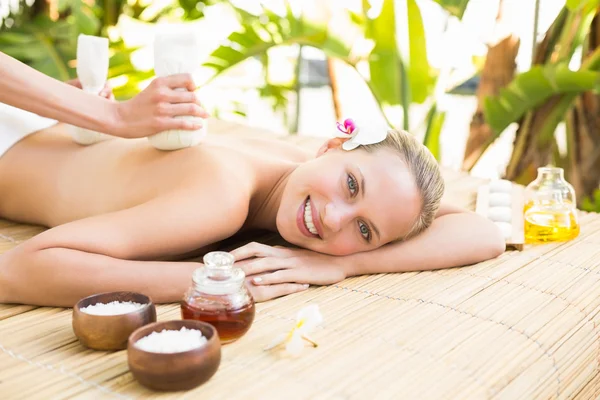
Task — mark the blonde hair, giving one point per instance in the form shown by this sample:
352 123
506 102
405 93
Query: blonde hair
424 168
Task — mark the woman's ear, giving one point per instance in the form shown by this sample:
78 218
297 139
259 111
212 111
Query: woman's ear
330 144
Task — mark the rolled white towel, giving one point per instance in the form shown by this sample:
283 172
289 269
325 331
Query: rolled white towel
500 185
505 228
500 199
500 214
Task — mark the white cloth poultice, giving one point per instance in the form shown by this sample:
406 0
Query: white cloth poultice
177 53
92 71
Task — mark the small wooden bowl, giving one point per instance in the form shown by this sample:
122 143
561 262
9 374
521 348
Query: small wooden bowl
110 332
175 371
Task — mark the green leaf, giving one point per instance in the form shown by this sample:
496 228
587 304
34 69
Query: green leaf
435 123
194 9
576 5
384 61
44 51
454 7
422 78
358 19
87 23
62 5
256 37
400 73
16 38
35 51
530 89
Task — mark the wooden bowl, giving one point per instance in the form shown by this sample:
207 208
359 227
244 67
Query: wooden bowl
110 332
175 371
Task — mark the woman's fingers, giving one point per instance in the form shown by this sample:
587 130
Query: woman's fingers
265 264
262 293
282 276
254 249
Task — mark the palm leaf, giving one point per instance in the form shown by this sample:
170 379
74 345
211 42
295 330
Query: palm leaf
454 7
400 73
532 88
421 75
256 37
385 64
435 123
576 5
45 45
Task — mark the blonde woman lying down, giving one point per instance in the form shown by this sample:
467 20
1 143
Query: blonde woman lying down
120 212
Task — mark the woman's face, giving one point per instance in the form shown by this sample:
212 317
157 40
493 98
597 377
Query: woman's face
345 202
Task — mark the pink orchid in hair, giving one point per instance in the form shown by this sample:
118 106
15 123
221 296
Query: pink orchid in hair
348 127
361 134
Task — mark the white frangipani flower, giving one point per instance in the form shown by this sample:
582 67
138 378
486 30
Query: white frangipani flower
307 320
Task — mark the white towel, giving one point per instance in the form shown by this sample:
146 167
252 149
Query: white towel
92 71
15 124
175 53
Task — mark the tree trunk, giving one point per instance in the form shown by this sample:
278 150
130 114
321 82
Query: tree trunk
498 71
584 133
333 83
530 152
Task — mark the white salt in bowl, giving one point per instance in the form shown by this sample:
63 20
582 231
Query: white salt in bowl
104 321
163 357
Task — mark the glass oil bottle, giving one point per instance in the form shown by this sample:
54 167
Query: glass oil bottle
219 297
550 211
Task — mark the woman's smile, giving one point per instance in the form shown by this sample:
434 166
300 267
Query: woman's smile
308 220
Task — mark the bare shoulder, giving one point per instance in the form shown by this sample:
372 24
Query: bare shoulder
206 206
448 208
169 225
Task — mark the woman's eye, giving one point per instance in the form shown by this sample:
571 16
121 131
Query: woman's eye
352 185
364 231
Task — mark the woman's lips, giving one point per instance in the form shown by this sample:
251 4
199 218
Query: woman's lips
300 220
316 220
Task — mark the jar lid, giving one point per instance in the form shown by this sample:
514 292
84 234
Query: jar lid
218 275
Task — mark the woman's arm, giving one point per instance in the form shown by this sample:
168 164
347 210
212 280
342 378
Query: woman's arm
150 112
104 253
456 238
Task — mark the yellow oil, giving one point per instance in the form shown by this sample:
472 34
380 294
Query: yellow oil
550 223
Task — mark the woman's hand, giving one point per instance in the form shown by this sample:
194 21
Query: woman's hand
155 108
106 92
277 271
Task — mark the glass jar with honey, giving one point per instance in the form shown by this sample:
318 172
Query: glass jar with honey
219 297
550 208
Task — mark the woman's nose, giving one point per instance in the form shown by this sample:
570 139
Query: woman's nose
336 216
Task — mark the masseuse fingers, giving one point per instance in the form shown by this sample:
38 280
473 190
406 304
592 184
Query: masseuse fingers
166 123
179 81
178 96
106 92
173 110
74 82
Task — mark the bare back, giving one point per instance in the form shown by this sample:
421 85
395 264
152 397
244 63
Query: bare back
48 179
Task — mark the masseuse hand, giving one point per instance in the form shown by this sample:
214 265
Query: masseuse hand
277 271
153 110
106 92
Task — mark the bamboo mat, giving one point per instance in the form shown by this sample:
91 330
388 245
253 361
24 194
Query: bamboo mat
522 326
